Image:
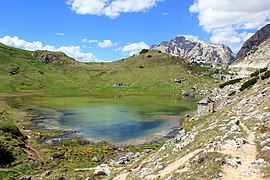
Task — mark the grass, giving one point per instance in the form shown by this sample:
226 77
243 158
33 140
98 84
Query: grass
149 72
23 72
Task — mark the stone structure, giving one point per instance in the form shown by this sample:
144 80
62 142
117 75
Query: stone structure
205 106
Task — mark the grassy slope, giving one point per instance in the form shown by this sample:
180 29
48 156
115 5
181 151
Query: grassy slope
156 76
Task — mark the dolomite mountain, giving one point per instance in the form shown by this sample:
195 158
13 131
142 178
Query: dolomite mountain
197 51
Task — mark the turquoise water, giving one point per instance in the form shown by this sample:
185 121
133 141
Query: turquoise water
115 119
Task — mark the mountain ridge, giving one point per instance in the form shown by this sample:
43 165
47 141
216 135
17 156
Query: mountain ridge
259 37
196 51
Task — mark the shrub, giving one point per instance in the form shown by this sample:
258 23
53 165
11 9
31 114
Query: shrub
248 83
233 81
257 72
149 56
266 75
11 129
144 51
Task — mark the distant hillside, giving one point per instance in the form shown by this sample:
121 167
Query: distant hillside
259 37
197 51
54 72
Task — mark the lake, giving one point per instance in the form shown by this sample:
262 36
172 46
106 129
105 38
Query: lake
117 119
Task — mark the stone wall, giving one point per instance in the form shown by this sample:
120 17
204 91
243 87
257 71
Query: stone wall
204 109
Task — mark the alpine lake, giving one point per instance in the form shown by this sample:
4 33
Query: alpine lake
116 119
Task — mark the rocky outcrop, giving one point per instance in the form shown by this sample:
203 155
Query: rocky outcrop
258 38
58 58
196 51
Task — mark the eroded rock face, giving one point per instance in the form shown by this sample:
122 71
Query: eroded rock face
196 51
259 37
58 58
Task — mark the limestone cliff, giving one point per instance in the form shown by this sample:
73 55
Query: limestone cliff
197 51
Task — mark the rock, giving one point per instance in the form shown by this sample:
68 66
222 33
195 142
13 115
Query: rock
235 128
185 93
14 70
95 159
159 166
128 157
232 122
46 173
196 51
234 162
120 85
260 162
265 142
103 170
146 151
266 148
26 178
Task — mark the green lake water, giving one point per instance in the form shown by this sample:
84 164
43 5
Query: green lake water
117 119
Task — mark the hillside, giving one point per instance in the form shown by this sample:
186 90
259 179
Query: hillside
230 143
54 72
257 58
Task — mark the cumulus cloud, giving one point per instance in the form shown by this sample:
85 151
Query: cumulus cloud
134 48
231 21
73 51
106 43
111 8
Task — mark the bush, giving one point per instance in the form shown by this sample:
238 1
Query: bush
144 51
233 81
257 72
11 129
266 75
248 83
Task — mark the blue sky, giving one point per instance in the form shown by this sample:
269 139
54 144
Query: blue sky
93 30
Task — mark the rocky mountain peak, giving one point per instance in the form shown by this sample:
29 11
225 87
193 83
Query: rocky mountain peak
259 37
196 51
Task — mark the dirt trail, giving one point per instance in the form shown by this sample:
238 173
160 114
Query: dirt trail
31 152
247 154
121 176
174 165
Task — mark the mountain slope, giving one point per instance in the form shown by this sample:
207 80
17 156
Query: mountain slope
54 72
196 51
259 37
259 57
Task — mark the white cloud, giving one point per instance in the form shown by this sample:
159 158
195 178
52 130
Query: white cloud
165 14
230 21
73 51
60 34
89 41
106 43
133 48
189 37
111 8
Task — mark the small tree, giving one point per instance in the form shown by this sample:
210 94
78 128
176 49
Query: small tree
144 51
